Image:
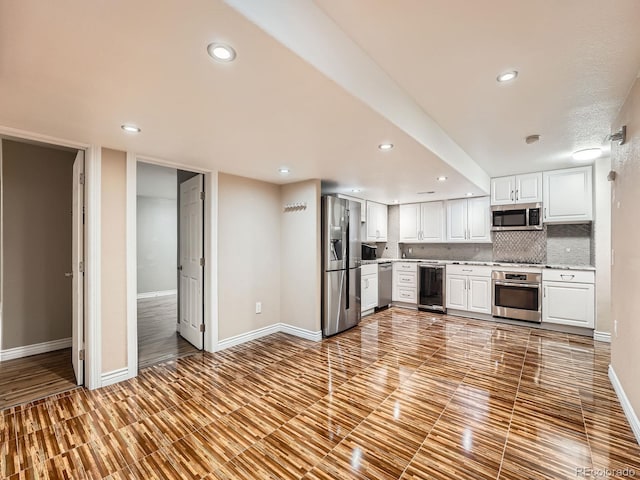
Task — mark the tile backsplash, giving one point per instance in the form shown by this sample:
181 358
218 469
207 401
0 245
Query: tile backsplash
479 252
570 244
520 246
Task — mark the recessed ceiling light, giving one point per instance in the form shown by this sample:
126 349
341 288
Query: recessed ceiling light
385 147
355 190
284 170
221 52
587 154
396 201
130 128
469 194
442 178
507 76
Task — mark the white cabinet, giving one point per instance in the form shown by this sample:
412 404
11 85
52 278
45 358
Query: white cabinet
568 297
376 227
422 222
405 282
469 288
568 195
525 188
469 220
369 287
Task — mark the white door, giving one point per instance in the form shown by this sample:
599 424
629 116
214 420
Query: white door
432 221
77 268
502 190
479 220
410 222
191 260
457 220
457 292
529 188
479 297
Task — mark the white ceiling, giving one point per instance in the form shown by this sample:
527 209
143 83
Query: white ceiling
156 181
78 70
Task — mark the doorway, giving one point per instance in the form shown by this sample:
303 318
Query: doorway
169 236
42 279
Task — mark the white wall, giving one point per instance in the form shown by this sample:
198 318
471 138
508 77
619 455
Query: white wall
248 255
157 228
602 239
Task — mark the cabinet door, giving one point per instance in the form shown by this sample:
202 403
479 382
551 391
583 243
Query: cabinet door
410 222
568 304
529 188
479 296
457 220
432 222
503 190
568 195
373 233
457 292
479 220
369 292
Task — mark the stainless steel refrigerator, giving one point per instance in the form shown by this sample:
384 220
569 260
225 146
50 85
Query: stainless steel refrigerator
341 259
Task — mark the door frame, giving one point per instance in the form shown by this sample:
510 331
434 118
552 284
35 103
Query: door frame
210 293
92 233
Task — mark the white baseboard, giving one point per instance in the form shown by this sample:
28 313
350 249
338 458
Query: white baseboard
264 331
161 293
35 349
602 336
301 332
115 376
626 405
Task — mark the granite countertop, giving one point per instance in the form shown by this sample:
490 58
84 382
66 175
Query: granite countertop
490 264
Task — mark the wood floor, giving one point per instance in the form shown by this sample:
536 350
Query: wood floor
406 395
30 378
158 340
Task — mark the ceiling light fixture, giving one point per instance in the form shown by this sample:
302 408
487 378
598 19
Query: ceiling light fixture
469 194
221 52
442 178
507 76
284 170
130 128
587 154
355 190
385 147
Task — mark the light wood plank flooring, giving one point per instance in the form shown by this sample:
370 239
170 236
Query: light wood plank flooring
158 340
406 394
27 379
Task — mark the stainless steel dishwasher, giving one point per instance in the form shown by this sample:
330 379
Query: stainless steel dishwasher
385 276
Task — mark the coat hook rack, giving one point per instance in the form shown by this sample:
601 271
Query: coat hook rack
295 206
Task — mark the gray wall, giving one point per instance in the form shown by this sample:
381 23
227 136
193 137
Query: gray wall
37 191
157 244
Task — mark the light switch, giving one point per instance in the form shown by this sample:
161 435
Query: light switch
258 307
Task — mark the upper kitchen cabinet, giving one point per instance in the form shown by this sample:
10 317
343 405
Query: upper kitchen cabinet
422 222
469 220
568 195
525 188
376 226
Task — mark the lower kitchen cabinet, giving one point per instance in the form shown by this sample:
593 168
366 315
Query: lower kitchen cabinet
469 288
568 298
405 282
369 287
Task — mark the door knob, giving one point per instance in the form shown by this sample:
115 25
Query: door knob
68 274
180 267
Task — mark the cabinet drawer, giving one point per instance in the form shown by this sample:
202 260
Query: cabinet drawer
573 276
405 267
407 295
406 279
369 269
472 270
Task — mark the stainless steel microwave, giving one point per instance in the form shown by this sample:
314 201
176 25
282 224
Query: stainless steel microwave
526 216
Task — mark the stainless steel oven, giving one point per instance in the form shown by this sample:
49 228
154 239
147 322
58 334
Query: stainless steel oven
525 216
517 295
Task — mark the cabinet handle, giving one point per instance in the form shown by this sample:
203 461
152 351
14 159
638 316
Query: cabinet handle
366 283
512 195
570 277
467 270
545 213
545 292
517 195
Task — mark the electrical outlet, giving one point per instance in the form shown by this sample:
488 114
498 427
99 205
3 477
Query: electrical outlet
410 250
567 249
258 307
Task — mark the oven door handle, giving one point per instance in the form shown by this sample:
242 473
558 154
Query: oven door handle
525 285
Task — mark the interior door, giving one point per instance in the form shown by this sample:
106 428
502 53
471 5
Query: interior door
191 260
77 256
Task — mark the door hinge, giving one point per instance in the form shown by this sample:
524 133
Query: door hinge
202 195
81 354
202 327
82 179
202 262
81 267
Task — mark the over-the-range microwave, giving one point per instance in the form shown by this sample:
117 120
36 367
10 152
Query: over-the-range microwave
526 216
